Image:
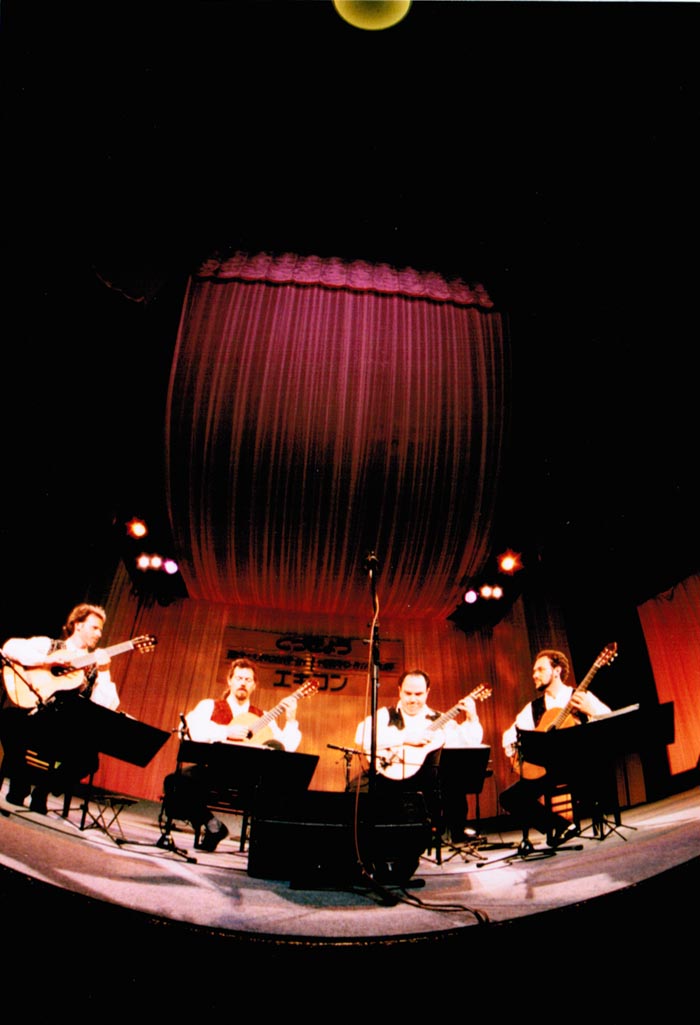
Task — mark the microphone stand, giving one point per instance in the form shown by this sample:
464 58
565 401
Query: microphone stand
371 564
348 753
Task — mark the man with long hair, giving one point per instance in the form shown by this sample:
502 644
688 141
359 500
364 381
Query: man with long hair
41 677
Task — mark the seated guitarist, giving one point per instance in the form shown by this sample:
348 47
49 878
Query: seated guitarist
522 799
27 720
224 720
405 740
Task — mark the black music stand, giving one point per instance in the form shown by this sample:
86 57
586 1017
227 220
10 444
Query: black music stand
119 736
585 757
249 770
463 771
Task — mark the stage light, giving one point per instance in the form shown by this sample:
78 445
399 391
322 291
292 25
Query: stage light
510 562
136 528
471 596
372 14
157 563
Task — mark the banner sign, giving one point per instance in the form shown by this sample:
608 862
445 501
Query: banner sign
285 660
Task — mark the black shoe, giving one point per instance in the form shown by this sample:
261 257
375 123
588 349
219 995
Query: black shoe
569 833
525 847
214 832
38 804
15 797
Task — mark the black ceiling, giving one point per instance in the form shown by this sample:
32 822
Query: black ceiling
546 150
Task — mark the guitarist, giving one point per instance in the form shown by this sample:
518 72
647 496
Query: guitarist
404 736
224 720
39 729
550 672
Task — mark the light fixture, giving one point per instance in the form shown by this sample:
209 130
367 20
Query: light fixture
136 527
156 562
372 14
510 562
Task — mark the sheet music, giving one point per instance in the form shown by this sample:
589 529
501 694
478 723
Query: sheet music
616 711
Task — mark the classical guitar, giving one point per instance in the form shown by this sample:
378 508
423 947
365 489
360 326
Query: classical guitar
259 731
562 718
29 686
405 760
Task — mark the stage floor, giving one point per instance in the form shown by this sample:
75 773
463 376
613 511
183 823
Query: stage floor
469 890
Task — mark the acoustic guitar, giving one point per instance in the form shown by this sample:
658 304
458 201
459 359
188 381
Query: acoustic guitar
259 730
30 686
405 760
562 718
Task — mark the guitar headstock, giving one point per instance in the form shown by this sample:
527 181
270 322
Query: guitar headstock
144 644
307 689
607 655
481 692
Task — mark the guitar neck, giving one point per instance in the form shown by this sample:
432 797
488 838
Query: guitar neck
89 658
478 693
443 719
310 687
267 718
582 687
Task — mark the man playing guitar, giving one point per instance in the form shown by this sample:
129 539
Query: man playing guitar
405 733
229 719
408 742
22 727
555 700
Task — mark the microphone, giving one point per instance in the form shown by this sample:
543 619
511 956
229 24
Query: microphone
371 562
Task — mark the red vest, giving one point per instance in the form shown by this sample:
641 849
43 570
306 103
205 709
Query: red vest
223 715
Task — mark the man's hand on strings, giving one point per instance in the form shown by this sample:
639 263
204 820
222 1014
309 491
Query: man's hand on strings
290 706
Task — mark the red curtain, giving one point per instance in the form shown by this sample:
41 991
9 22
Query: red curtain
320 410
671 625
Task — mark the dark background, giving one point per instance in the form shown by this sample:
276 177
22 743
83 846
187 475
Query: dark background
545 150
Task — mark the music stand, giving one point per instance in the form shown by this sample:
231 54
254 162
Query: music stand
122 737
248 769
257 767
463 771
585 757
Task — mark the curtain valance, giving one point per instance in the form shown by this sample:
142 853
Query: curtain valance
332 272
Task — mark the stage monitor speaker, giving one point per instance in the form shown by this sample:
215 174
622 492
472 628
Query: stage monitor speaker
325 839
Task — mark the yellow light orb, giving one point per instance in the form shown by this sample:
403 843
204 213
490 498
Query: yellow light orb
372 14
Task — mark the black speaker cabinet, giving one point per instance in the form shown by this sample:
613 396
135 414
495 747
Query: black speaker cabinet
325 839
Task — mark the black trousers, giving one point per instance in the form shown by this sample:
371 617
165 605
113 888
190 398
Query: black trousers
522 801
426 781
42 749
185 795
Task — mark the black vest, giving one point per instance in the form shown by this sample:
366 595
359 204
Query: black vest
396 718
